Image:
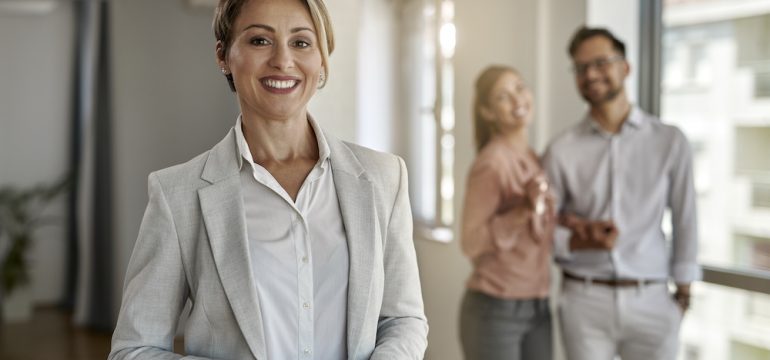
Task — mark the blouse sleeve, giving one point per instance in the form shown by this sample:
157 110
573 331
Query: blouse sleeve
484 227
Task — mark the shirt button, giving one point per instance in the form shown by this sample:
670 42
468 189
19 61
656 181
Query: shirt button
307 351
304 259
306 306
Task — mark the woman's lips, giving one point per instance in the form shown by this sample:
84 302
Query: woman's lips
279 85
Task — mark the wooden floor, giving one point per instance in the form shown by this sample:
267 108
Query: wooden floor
51 335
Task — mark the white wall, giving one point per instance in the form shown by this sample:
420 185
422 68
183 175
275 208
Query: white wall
336 105
559 104
377 76
36 61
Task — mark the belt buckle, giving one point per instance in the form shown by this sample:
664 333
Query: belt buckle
640 284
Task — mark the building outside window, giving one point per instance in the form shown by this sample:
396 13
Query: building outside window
715 86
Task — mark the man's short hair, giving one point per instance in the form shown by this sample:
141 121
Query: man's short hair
584 33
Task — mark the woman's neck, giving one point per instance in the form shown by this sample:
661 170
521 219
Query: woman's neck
279 140
517 138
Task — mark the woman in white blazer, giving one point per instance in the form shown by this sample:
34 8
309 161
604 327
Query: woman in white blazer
286 242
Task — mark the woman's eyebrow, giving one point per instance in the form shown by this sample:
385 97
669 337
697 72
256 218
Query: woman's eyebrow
272 30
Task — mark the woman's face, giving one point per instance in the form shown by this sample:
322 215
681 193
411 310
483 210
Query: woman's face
274 58
509 104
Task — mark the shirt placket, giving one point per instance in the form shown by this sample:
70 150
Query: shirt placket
305 290
614 200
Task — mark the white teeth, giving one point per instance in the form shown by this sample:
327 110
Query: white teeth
280 84
520 112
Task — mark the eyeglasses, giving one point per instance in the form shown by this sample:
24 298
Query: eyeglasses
601 64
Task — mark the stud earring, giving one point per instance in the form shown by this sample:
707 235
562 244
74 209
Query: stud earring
322 76
224 71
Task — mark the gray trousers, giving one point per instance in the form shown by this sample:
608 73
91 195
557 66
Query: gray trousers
492 328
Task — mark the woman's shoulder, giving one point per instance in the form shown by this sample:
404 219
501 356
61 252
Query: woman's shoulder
185 170
212 165
384 170
371 158
379 165
495 154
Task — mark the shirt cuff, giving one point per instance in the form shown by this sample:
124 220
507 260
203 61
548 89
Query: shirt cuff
686 273
561 238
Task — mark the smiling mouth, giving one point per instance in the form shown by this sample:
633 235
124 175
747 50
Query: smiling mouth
520 112
280 84
595 85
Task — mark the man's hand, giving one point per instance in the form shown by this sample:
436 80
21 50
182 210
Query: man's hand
588 234
682 296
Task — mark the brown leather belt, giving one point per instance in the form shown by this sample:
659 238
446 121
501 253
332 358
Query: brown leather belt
614 282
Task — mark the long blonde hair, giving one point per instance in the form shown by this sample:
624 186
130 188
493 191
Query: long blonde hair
486 81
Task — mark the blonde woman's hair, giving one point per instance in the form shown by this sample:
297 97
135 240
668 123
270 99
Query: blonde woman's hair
483 129
228 10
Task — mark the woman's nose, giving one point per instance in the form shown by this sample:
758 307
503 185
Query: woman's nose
281 58
517 99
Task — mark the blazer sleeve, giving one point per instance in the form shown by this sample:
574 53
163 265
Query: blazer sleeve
402 330
155 288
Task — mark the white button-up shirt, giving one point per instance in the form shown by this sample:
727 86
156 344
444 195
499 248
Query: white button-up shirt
299 258
631 178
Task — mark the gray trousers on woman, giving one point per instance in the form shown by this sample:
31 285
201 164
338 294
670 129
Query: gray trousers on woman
492 328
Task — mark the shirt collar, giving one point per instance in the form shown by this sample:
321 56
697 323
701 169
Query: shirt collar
634 121
243 147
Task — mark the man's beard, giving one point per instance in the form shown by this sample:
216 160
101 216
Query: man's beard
611 94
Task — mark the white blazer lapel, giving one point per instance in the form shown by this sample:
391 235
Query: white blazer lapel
356 198
223 215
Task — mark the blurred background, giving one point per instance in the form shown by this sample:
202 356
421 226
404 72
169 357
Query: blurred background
94 95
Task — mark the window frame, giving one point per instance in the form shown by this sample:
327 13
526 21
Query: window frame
436 224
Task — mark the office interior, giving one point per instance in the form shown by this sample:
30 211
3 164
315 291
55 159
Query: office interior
401 81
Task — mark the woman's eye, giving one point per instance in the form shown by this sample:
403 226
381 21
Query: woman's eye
260 41
301 44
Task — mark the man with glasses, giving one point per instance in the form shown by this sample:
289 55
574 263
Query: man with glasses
614 174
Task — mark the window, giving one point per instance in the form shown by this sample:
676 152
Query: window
429 41
715 60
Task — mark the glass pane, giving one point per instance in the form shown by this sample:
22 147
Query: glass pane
418 21
726 324
716 88
715 85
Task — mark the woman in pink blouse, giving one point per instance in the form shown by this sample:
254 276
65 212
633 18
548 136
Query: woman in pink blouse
507 228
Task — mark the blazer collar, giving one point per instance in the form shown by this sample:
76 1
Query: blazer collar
222 209
356 198
222 161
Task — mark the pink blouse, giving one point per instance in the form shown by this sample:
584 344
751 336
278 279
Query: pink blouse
508 243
